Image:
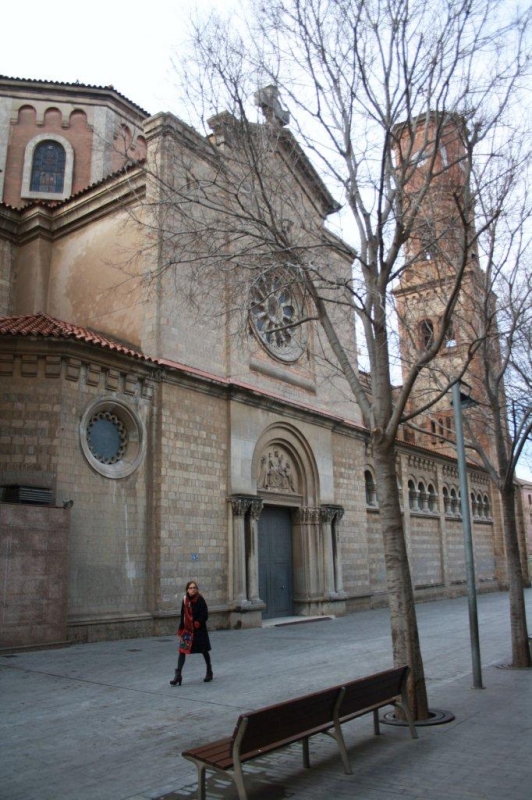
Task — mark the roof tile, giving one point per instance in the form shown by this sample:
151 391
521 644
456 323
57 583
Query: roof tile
49 327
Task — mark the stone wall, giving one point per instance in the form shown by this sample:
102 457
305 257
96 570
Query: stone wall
44 401
6 270
34 554
348 454
190 495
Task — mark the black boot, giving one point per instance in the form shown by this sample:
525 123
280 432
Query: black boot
177 678
209 676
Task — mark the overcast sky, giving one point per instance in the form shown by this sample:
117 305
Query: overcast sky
128 45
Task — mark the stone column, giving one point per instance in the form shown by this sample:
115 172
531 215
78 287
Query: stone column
253 550
338 572
331 516
327 516
307 568
240 506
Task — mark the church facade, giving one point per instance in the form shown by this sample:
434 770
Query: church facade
147 440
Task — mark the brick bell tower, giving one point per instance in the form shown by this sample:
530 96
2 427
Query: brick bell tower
431 155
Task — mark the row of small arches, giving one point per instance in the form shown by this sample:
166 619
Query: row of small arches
423 497
452 503
52 117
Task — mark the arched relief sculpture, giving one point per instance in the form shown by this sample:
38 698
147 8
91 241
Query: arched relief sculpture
277 473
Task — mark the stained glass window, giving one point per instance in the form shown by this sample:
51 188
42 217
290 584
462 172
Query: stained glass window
48 168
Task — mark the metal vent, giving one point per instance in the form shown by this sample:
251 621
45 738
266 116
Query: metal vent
27 495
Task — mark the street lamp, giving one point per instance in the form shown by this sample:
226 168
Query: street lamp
462 399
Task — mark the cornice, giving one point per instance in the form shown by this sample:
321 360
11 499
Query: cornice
53 222
69 349
9 222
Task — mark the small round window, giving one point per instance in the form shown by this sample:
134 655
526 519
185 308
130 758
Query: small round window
112 438
107 437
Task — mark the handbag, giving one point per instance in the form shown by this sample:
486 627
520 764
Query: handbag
185 642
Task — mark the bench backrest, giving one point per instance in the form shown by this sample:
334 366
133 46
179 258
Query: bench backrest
287 720
372 690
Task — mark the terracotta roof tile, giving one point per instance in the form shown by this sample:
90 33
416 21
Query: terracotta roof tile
50 327
75 85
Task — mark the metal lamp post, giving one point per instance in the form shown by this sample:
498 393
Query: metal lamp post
463 400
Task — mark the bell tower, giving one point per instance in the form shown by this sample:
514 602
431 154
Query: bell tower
441 288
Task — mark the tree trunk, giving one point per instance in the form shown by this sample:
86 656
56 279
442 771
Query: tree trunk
518 625
405 638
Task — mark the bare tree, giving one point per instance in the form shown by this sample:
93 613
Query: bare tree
502 322
393 99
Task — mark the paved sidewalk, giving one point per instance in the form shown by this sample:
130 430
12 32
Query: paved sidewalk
101 722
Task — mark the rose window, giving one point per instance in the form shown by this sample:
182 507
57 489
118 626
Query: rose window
275 311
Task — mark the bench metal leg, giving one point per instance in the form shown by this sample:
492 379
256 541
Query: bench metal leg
306 753
201 781
376 724
338 736
238 777
406 709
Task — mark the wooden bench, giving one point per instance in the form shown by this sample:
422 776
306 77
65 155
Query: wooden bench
259 732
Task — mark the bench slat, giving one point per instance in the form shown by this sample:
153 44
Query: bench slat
288 720
366 693
214 752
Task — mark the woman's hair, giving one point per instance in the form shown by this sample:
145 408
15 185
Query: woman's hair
188 584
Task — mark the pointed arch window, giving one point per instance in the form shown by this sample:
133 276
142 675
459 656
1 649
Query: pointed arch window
450 336
432 501
371 489
474 505
446 500
48 168
413 496
426 334
455 503
423 497
426 234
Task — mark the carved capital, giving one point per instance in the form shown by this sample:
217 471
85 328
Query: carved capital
327 514
239 505
307 515
330 513
256 508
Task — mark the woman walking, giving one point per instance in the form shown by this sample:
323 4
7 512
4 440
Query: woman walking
193 634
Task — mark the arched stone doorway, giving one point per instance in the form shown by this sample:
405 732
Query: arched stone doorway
285 543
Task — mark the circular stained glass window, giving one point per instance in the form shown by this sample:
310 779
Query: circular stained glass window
274 313
107 437
112 438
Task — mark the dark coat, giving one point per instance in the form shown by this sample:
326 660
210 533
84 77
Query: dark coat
200 613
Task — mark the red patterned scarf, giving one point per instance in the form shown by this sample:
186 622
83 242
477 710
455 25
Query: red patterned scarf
187 636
